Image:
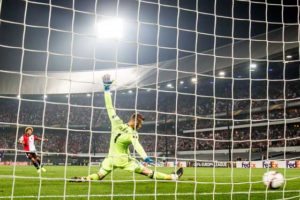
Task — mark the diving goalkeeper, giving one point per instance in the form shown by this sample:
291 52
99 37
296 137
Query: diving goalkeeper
123 135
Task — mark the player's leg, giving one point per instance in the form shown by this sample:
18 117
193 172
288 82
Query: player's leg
105 169
38 159
98 176
31 157
161 176
135 166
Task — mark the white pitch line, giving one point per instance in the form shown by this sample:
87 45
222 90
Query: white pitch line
157 194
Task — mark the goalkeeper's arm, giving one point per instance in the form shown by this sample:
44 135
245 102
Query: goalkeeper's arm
138 147
109 106
107 82
140 150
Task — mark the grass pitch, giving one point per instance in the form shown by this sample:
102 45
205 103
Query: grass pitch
195 184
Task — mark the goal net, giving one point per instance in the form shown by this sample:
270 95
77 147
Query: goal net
216 80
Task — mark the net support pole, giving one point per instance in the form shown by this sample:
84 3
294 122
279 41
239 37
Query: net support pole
228 124
0 10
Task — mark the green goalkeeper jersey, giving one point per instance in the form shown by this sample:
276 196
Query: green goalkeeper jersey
122 136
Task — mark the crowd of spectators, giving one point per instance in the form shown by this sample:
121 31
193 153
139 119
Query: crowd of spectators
74 142
81 124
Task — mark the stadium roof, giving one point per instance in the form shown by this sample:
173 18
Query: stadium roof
37 82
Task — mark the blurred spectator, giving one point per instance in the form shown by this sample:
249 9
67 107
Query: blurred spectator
80 127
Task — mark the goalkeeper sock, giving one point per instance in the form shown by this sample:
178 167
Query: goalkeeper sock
93 177
161 176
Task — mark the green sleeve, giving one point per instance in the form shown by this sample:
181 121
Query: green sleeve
110 109
138 147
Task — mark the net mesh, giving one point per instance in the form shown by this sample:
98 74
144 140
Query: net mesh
217 82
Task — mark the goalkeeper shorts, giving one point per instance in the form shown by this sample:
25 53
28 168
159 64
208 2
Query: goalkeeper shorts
110 164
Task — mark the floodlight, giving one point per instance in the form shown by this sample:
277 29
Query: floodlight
110 28
169 85
253 66
222 73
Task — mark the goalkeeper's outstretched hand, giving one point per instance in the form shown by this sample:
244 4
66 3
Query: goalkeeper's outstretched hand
107 82
148 160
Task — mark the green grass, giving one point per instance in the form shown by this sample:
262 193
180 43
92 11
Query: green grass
193 185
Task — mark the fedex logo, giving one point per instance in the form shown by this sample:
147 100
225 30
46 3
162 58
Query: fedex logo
266 164
290 164
245 164
270 164
293 164
248 165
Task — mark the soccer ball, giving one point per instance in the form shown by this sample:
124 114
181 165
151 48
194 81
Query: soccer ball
273 179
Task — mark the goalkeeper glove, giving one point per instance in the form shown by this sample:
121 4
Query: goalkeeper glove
106 82
148 160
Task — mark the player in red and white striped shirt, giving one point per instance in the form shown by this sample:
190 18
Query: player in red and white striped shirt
28 146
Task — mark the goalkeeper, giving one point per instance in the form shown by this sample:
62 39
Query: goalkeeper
122 135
